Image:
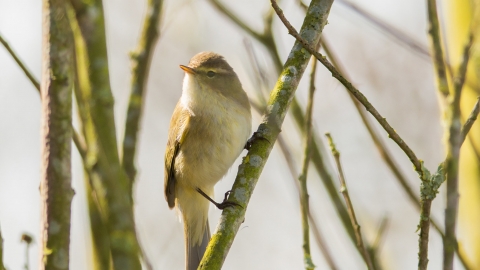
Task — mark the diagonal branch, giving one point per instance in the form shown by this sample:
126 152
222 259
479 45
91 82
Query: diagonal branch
355 92
348 201
20 64
254 162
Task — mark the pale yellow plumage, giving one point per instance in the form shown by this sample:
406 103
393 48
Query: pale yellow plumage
208 130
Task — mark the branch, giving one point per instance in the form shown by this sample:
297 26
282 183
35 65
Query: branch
385 154
470 120
141 59
453 120
346 196
436 47
55 184
76 138
356 93
20 64
110 181
253 163
305 208
266 38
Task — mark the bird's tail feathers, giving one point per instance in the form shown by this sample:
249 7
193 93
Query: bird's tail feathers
194 251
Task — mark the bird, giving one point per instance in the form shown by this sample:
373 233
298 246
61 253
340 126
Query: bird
209 128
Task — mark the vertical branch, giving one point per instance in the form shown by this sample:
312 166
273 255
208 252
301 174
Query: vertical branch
55 185
436 47
305 209
346 196
254 162
141 59
453 121
109 182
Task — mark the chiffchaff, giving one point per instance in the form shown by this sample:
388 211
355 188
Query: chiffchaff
208 130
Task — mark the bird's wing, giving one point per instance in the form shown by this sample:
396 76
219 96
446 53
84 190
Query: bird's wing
176 135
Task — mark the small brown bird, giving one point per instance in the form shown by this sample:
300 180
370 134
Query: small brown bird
208 130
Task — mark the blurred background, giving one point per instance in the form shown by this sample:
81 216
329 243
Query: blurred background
397 80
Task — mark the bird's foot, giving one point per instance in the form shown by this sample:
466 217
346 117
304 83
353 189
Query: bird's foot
221 205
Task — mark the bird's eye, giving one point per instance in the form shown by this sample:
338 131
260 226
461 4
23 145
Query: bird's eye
211 74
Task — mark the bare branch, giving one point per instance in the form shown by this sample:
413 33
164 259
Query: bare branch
356 93
56 91
20 64
348 201
305 209
141 59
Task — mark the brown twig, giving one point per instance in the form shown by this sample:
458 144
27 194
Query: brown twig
384 152
356 93
348 201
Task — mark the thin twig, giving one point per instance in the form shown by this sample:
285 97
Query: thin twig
351 211
28 240
20 64
141 60
453 120
356 93
436 45
384 152
75 136
305 209
470 120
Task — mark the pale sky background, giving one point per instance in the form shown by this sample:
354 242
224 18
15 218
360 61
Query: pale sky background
396 80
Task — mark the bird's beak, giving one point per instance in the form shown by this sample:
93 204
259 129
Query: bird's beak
187 69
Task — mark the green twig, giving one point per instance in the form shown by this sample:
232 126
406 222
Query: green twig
253 163
56 93
110 182
436 45
141 59
470 120
346 196
305 209
20 64
36 84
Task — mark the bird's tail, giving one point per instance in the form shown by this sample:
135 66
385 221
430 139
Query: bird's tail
194 251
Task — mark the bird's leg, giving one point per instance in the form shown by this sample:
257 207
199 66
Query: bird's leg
256 136
222 205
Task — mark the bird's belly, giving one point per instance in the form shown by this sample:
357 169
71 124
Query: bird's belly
222 140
